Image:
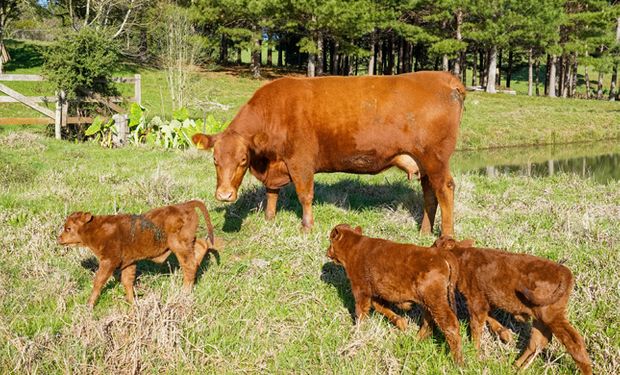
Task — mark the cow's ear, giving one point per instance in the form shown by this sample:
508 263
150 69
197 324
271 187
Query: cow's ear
260 140
358 229
203 141
335 235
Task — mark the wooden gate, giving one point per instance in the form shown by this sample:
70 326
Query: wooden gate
60 117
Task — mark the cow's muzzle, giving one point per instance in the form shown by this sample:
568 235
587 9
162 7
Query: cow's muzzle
226 195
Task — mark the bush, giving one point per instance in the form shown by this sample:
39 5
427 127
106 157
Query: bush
84 60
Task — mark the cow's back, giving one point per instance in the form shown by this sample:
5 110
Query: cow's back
358 124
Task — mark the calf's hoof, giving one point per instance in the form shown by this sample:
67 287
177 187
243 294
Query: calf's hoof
401 323
505 336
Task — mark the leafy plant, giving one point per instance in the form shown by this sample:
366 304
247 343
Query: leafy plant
103 131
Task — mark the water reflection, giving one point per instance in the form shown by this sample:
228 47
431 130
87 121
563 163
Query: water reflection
599 161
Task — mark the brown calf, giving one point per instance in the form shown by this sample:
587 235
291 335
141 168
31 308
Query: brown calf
119 241
523 285
383 271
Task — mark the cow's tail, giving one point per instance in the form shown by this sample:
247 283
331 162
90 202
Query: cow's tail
200 205
564 285
458 89
453 273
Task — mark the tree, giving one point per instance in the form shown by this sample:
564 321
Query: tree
9 11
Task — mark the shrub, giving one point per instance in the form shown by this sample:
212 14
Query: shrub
82 60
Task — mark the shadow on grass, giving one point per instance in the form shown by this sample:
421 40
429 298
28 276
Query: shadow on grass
349 193
23 55
151 268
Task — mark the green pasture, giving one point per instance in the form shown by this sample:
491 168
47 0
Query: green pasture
272 302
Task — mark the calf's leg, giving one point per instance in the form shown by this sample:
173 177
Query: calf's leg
539 338
106 268
184 250
572 340
128 276
437 303
396 319
426 325
504 333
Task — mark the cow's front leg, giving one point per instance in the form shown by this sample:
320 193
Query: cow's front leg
304 186
272 202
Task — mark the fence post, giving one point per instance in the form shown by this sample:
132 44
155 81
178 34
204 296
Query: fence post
65 108
137 85
58 115
122 129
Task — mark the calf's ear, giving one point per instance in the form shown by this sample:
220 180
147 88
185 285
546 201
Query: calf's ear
203 141
86 217
335 235
358 229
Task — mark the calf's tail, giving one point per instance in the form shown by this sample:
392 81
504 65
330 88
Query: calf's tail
453 272
564 285
200 205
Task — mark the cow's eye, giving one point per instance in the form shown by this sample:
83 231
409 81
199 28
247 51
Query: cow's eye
68 229
244 160
214 162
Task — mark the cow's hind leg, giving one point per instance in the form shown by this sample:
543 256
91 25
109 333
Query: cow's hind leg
272 202
443 185
430 206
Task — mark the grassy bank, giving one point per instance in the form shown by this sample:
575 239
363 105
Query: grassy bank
273 303
489 121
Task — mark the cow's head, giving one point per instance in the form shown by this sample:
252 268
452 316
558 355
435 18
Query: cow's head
231 156
338 247
71 234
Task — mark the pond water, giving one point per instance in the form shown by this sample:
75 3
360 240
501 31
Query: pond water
599 161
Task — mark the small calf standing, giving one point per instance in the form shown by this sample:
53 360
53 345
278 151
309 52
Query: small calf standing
383 271
119 241
520 284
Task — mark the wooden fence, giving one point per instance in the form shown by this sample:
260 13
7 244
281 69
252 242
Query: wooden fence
60 116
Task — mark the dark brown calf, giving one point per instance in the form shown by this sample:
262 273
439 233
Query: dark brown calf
383 271
119 241
523 285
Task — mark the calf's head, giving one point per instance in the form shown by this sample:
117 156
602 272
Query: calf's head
231 156
338 246
71 234
449 243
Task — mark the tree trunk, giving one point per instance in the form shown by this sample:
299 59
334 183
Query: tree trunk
492 69
458 18
223 49
498 77
238 56
599 91
280 62
552 69
547 70
612 86
474 66
371 60
560 64
389 56
482 74
463 67
334 58
573 86
530 72
311 64
567 76
255 64
509 71
269 55
379 67
536 79
319 54
445 63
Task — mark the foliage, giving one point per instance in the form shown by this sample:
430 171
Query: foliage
175 133
82 61
103 131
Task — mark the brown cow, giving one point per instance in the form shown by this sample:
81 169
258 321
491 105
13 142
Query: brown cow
293 128
523 285
383 271
119 241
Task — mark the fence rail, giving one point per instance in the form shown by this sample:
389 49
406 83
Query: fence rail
60 116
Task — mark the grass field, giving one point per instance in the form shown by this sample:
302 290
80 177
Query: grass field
272 303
